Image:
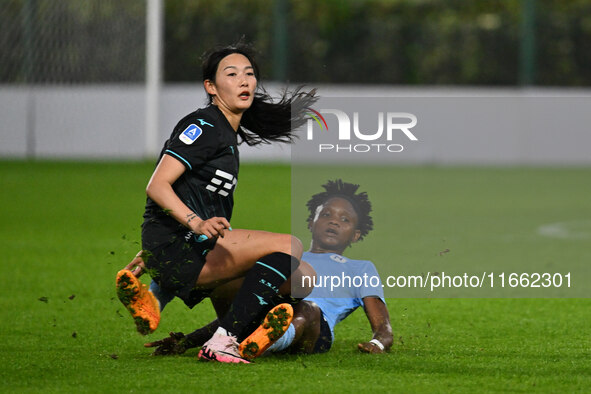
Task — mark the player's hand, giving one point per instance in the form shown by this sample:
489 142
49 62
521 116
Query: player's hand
174 344
137 265
368 347
212 227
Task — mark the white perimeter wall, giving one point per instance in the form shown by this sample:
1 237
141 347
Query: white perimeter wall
108 121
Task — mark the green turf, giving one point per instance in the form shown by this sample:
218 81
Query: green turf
66 228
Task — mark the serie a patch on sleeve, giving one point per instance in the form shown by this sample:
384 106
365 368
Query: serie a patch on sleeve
190 134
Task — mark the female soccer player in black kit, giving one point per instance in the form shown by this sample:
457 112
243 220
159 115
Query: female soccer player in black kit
189 248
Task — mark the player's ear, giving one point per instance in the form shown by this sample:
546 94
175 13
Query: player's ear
209 87
310 223
356 236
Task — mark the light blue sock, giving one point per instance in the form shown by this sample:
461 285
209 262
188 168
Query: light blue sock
162 296
283 342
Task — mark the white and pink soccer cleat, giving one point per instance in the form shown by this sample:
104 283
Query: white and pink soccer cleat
221 348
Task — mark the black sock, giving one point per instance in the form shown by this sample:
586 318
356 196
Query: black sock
286 299
258 293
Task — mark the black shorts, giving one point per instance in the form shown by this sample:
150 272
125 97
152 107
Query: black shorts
176 263
324 341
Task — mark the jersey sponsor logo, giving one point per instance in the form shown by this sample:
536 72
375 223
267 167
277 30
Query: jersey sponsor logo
204 123
222 183
190 134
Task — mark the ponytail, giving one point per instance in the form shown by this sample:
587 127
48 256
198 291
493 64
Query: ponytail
266 121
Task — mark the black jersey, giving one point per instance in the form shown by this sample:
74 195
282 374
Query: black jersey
206 144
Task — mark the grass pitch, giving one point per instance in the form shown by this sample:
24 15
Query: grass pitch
67 228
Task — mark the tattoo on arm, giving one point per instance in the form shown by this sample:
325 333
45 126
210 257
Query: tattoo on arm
190 217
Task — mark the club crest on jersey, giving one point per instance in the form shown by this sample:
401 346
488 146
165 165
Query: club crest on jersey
338 259
190 134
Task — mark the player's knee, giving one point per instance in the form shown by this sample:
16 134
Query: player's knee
309 272
309 315
297 248
289 244
302 280
310 310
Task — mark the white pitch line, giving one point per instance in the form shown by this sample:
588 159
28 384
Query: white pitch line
574 229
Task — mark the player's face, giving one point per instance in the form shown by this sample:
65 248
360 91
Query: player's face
234 85
334 226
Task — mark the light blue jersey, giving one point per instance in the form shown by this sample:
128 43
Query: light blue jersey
341 284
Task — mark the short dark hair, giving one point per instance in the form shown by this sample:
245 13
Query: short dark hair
360 202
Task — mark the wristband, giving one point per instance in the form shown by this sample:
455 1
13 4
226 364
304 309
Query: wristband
378 344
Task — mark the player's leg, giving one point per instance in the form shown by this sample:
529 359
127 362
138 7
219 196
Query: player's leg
239 250
312 333
301 336
139 301
256 255
277 320
306 330
177 343
274 326
174 266
267 261
161 295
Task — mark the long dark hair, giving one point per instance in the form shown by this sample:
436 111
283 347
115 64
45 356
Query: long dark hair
265 121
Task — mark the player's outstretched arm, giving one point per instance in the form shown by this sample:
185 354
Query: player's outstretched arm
379 319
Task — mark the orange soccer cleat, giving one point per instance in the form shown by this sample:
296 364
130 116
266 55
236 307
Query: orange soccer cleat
274 326
139 301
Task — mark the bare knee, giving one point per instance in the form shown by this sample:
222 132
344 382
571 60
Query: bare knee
291 245
297 249
309 313
302 280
